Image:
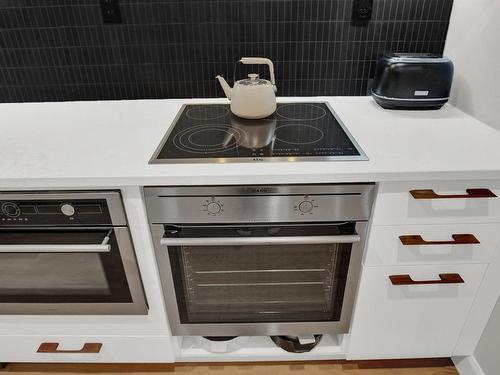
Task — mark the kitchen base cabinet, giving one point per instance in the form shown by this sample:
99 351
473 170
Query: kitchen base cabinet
437 202
432 244
412 321
88 349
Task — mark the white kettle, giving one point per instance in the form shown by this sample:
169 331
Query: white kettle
253 97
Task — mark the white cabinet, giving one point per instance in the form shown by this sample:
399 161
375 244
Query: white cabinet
87 349
455 202
411 321
432 244
423 230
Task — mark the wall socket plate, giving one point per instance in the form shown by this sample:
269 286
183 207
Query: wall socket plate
362 11
110 10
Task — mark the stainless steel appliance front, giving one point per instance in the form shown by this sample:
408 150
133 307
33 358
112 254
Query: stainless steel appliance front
259 260
67 253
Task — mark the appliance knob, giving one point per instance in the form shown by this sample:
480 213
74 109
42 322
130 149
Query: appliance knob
67 209
305 207
11 209
214 208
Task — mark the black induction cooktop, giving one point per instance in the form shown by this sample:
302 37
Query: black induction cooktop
204 133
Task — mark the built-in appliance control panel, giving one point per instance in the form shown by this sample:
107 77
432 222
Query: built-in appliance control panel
306 205
252 204
21 212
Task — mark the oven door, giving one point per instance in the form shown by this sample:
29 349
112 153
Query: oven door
75 271
260 280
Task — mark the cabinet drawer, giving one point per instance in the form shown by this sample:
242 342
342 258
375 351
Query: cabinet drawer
436 244
92 349
444 202
411 321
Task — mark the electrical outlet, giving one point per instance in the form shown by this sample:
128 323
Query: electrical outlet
362 10
110 10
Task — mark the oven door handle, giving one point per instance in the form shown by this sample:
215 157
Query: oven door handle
241 241
103 247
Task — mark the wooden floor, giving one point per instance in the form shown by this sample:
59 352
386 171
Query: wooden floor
403 367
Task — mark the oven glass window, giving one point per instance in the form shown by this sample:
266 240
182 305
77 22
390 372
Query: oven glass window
260 283
62 277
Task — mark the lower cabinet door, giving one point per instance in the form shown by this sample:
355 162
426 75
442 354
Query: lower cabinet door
88 349
412 311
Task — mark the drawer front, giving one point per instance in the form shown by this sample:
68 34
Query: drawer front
411 321
432 244
437 202
91 349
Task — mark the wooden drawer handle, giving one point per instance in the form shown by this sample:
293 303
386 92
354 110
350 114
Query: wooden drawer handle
444 278
458 239
87 348
471 193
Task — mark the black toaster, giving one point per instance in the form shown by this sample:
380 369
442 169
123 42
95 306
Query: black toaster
412 81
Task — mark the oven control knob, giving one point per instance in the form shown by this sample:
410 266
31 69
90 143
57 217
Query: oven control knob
305 207
67 209
11 209
214 208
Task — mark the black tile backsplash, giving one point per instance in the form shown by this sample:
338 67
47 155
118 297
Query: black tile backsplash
55 50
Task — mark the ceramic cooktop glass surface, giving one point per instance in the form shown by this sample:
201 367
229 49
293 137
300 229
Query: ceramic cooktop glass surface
295 132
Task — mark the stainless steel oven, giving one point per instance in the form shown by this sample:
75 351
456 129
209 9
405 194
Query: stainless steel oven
259 260
67 253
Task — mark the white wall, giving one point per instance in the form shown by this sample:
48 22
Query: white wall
473 44
486 352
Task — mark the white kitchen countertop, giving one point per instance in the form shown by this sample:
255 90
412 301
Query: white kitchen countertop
109 143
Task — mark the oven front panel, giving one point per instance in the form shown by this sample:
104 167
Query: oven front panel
248 284
252 287
76 271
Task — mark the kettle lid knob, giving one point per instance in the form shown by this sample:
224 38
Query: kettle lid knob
253 76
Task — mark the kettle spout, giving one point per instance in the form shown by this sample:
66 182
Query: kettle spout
225 86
